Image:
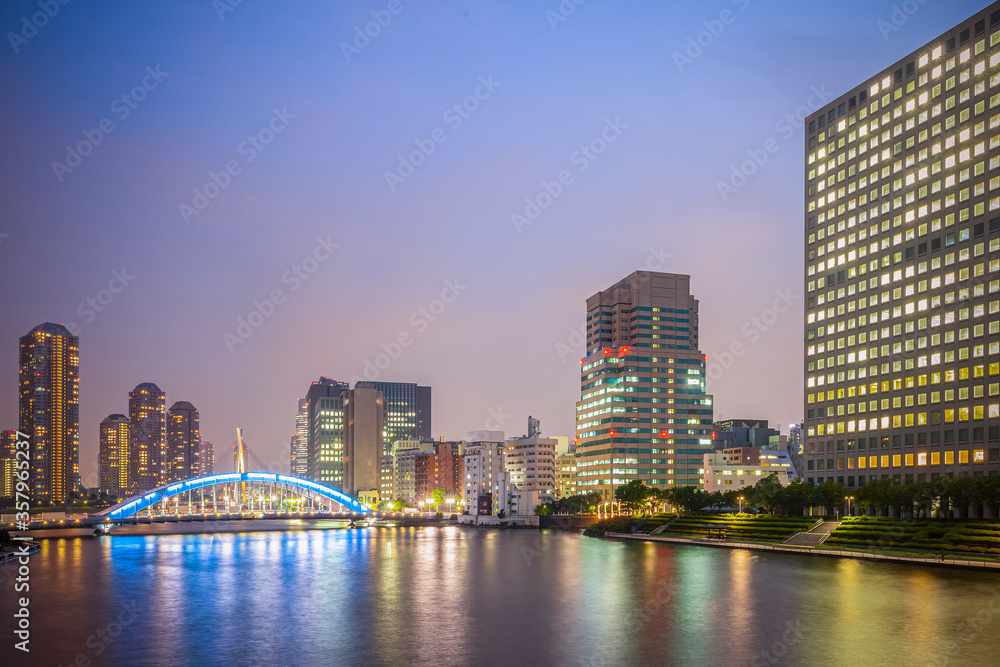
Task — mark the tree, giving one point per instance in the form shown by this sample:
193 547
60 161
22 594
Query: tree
688 498
634 493
543 510
437 495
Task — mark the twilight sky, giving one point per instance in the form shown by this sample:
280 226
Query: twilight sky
406 187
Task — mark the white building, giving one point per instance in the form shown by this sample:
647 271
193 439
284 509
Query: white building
486 473
396 479
723 476
531 464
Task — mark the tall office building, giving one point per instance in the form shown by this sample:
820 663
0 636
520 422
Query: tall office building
325 412
902 226
113 456
299 445
183 442
206 458
8 445
407 410
147 437
364 418
49 410
643 413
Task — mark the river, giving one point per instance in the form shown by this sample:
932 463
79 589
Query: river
468 596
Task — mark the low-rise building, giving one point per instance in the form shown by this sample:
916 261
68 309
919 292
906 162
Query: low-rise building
566 475
531 462
486 479
721 475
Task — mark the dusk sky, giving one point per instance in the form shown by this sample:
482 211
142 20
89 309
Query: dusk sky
313 122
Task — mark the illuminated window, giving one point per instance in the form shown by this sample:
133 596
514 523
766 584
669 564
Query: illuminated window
963 456
949 458
979 456
921 458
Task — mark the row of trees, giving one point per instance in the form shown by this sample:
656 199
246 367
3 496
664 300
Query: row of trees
919 499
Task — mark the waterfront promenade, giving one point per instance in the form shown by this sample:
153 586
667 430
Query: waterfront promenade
915 559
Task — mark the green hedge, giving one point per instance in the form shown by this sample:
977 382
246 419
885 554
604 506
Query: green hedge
978 536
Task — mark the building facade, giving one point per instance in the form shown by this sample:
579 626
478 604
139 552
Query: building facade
206 458
741 433
487 484
183 442
566 483
397 479
723 474
8 445
902 279
440 466
49 410
113 456
299 446
531 463
407 410
147 437
326 432
643 413
364 417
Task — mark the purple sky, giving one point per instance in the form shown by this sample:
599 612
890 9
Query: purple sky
309 128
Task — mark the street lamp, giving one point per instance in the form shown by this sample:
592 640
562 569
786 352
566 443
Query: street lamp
849 499
740 498
421 504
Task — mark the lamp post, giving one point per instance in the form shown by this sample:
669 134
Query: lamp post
421 504
849 499
450 502
740 498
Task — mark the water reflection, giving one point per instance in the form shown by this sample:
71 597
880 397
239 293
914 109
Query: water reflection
456 596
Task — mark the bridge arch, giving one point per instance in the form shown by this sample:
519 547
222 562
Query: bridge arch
303 487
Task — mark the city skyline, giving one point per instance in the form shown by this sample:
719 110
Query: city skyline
434 306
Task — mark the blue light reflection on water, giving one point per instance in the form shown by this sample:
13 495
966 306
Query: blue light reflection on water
455 596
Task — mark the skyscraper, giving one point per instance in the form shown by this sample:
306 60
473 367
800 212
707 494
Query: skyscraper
407 410
8 447
147 437
326 432
49 410
902 271
300 441
183 442
643 413
206 458
113 456
364 417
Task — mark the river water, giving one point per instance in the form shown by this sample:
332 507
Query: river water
475 596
